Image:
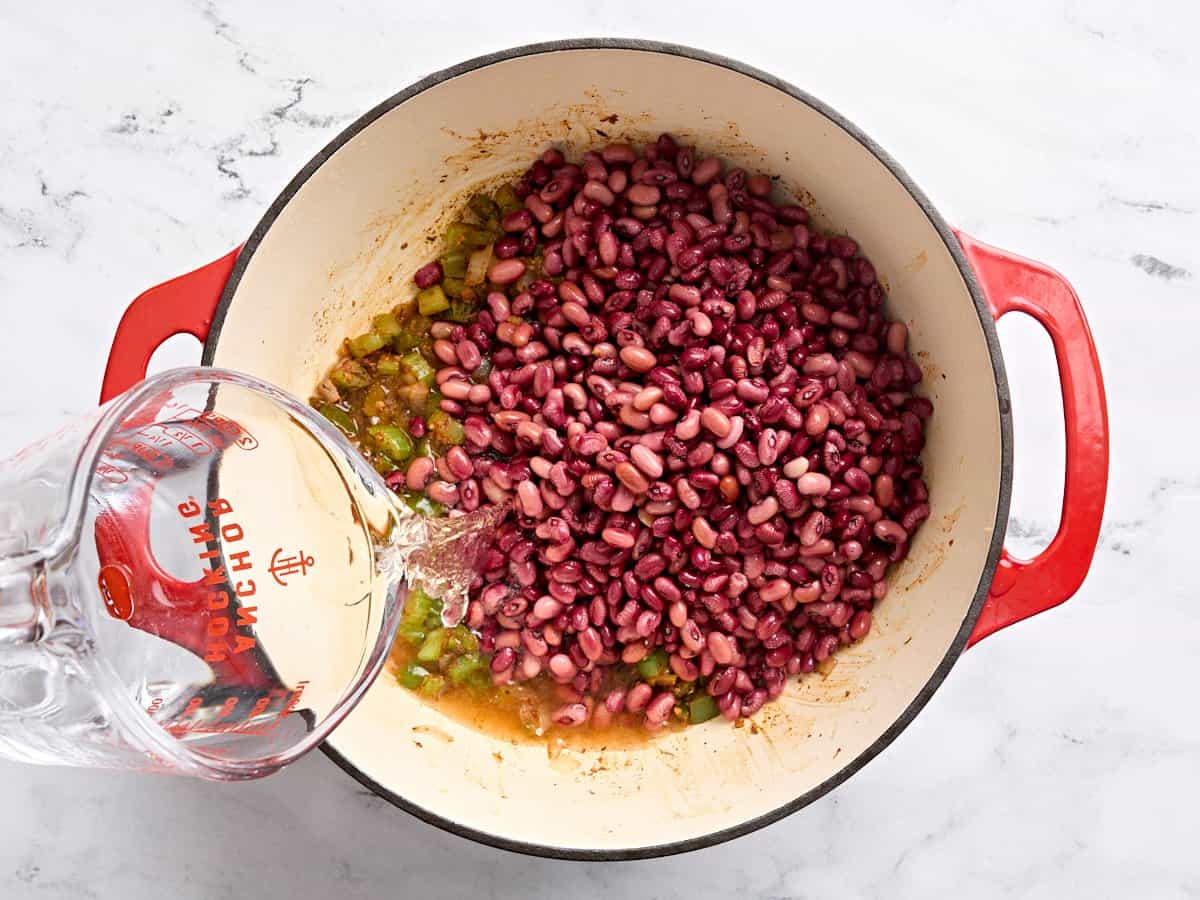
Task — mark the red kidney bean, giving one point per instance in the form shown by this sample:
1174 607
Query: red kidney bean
890 532
914 516
420 470
659 709
884 491
570 715
638 697
860 625
459 463
504 660
813 484
428 275
506 271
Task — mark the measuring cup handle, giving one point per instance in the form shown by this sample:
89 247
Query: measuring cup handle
183 305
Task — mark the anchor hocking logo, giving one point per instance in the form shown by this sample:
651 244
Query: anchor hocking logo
284 567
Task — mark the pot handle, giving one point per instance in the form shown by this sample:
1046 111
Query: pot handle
182 305
1023 588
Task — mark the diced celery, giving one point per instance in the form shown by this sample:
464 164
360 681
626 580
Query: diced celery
412 633
386 325
459 639
432 300
462 667
375 400
431 648
653 665
484 207
454 264
432 686
462 234
445 429
349 374
392 440
418 367
415 398
339 417
412 675
461 311
422 504
416 607
701 709
388 365
507 199
366 343
415 331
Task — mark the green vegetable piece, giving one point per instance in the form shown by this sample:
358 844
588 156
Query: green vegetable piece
507 199
459 639
445 430
653 665
339 417
467 236
423 505
433 618
419 368
392 440
461 311
412 675
388 365
415 331
365 344
375 400
413 634
432 686
484 207
462 667
386 325
350 374
415 397
454 264
416 607
432 300
431 648
701 708
453 287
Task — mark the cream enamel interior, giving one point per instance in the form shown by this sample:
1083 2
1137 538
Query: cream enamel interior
344 247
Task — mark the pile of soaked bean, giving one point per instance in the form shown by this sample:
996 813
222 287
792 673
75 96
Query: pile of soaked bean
703 420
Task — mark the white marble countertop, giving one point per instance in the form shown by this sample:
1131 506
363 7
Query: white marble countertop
1061 758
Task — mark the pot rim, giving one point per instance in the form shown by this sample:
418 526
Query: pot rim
986 321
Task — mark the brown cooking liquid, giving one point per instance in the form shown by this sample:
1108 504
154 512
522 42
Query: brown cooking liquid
514 712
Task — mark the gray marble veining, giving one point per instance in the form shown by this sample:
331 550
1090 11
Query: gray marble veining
1061 758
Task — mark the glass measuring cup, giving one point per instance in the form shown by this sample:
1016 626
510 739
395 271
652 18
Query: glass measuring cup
201 578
